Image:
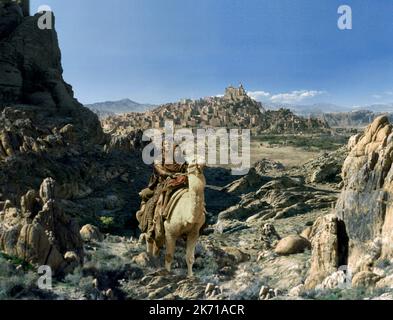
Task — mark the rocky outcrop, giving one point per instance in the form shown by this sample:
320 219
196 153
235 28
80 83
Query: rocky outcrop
91 233
329 246
283 121
130 142
278 197
365 202
291 245
39 231
326 168
365 279
30 61
269 236
11 16
46 132
266 166
364 210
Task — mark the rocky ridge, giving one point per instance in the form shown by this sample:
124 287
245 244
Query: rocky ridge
234 110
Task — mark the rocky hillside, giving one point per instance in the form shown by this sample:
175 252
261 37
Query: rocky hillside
46 135
233 110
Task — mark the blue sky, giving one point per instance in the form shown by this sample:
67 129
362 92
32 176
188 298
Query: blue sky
283 50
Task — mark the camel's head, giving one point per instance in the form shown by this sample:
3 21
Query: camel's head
196 161
196 167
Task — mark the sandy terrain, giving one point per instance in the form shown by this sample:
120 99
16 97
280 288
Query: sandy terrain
289 156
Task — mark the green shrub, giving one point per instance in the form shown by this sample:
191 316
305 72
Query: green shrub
19 283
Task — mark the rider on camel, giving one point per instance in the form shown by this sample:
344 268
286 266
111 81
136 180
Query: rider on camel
167 177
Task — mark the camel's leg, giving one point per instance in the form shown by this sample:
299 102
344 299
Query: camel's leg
149 246
156 250
192 239
170 250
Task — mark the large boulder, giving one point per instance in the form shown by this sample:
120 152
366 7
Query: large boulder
40 233
326 168
91 233
291 245
365 279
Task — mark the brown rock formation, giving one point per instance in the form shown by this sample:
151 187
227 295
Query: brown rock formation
30 61
364 209
91 233
46 132
40 233
328 249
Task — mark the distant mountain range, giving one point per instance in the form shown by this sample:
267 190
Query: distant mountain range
323 108
108 108
352 119
381 108
339 116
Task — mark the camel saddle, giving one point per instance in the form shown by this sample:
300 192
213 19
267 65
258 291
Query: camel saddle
172 191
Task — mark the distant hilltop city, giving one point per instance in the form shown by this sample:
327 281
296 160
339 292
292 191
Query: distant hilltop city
235 109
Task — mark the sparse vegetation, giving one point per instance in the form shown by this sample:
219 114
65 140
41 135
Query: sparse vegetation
383 263
343 294
17 282
16 262
108 224
323 142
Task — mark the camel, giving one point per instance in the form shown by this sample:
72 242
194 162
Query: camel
185 219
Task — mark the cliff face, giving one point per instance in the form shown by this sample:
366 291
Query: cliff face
365 204
31 74
51 144
40 120
364 208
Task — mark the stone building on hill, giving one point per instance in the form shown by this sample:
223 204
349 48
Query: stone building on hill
235 94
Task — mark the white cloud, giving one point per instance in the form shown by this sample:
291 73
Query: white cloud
287 97
258 95
386 95
295 96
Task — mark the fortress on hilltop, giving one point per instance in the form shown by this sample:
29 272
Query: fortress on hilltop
235 94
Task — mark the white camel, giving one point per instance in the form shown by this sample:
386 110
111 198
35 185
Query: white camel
187 217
